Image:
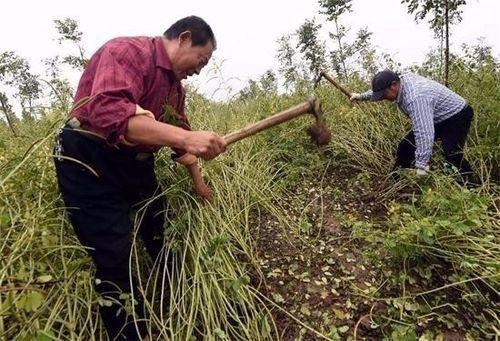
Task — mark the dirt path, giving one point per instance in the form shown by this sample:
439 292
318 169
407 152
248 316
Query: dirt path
322 274
330 275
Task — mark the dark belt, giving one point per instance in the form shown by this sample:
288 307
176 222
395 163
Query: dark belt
75 125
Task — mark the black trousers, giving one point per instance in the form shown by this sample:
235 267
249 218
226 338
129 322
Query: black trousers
99 209
453 133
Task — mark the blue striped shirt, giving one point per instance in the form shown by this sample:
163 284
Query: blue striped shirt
427 103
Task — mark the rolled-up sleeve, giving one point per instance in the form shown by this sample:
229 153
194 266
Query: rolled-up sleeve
116 89
421 114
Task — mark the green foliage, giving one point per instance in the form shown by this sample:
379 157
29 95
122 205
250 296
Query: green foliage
61 92
16 76
15 72
451 210
362 48
453 233
265 86
288 65
69 31
434 10
441 14
311 47
403 333
335 8
29 301
449 232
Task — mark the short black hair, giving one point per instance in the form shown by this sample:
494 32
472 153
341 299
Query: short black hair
201 32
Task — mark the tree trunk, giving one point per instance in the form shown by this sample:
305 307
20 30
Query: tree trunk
83 60
447 48
341 51
441 54
6 111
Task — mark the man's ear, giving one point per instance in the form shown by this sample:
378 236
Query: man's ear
185 38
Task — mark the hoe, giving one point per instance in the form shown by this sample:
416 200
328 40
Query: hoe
318 131
334 82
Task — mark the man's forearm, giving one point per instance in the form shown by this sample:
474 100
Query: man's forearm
194 172
420 112
145 130
366 96
142 129
423 150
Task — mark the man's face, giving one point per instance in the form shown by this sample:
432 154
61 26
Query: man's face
391 93
190 59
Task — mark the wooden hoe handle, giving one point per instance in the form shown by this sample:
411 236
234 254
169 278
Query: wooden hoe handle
271 121
307 106
336 84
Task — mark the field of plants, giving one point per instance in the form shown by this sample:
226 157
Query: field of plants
300 242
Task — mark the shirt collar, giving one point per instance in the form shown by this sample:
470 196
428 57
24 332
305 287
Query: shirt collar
162 59
401 90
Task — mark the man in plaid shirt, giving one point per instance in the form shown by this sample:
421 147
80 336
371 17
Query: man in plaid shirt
435 112
129 103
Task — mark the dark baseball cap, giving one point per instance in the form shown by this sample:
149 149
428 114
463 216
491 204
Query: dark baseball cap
381 81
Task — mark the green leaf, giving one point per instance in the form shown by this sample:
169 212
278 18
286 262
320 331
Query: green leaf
49 240
4 220
278 298
220 333
44 278
304 309
30 301
333 333
42 335
343 329
265 329
104 302
215 244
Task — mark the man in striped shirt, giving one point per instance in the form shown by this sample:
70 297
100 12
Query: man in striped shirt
435 112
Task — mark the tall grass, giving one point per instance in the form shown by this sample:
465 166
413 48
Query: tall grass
46 277
44 274
212 290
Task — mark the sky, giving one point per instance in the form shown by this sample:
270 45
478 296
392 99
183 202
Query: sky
246 31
